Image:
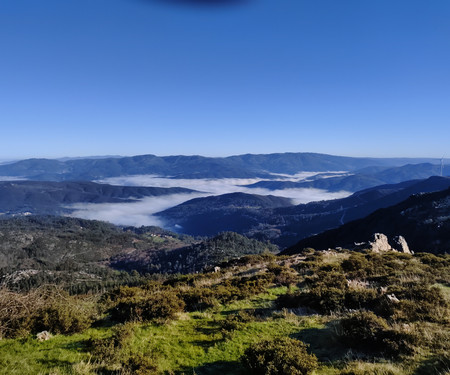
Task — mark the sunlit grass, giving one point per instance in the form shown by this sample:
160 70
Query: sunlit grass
204 342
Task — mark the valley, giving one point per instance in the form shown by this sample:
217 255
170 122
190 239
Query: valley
195 273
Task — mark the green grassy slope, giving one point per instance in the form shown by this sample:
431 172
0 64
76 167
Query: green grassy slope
204 323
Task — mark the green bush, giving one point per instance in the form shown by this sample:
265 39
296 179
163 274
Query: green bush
361 299
239 288
198 299
325 279
250 286
323 300
284 276
115 351
283 356
139 364
160 306
363 329
418 302
368 332
397 343
326 293
109 350
356 266
234 322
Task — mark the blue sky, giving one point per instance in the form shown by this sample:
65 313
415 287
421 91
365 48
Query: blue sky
128 77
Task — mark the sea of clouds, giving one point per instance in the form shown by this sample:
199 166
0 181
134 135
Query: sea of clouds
141 212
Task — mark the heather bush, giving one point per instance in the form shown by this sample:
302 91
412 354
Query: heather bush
363 329
234 322
364 298
368 332
439 364
356 266
141 364
282 356
159 306
109 350
418 302
323 300
364 368
285 276
198 298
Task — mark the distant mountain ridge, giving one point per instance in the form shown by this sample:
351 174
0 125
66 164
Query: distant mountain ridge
363 179
239 166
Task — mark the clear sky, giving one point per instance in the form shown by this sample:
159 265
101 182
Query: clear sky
128 77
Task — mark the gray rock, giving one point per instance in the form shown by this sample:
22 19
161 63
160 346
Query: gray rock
43 336
401 245
392 298
379 243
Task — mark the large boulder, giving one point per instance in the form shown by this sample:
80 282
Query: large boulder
401 245
380 244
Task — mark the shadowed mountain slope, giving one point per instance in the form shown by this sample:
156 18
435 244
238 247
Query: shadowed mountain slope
423 219
229 212
285 225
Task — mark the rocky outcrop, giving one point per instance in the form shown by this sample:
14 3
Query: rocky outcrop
380 244
401 245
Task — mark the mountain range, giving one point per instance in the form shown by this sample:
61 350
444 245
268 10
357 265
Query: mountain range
239 166
359 180
54 187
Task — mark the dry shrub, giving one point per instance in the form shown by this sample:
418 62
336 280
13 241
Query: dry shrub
48 308
364 368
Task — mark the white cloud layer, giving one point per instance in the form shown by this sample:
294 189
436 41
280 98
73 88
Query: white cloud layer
12 178
130 213
142 212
